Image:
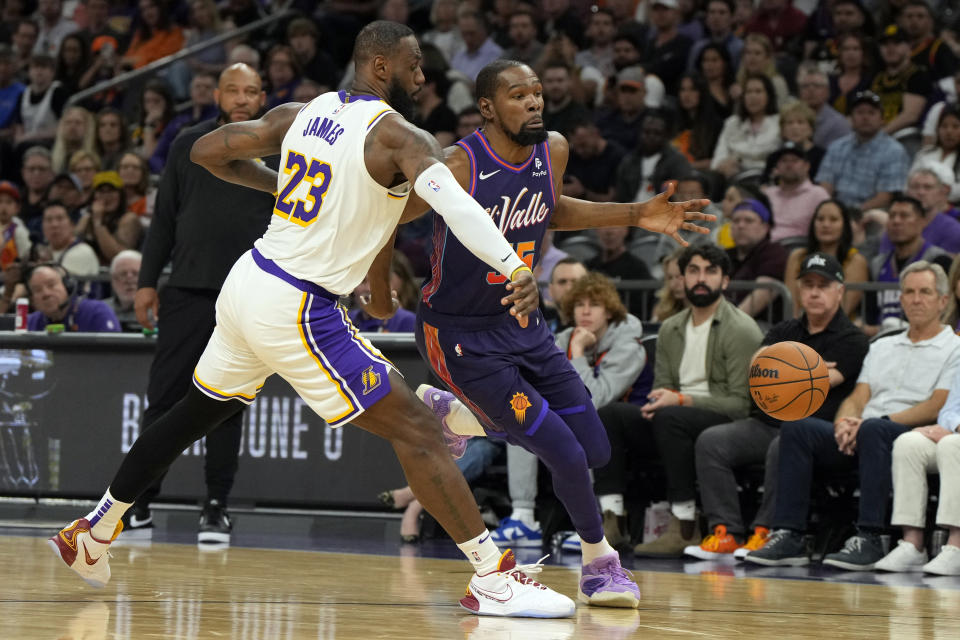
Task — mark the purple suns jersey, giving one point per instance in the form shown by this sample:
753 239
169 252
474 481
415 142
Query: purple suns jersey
520 199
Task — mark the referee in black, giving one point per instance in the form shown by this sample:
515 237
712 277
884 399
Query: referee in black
202 225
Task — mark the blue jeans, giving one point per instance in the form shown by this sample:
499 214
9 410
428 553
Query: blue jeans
479 455
810 442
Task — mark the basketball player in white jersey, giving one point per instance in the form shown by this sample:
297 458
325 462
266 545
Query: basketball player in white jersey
348 161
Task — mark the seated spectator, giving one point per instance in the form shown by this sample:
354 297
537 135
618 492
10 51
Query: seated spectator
903 87
752 133
108 226
41 105
283 75
667 50
204 25
156 110
522 31
124 271
797 122
10 92
560 111
53 27
718 23
24 38
156 35
813 86
617 262
931 185
66 188
621 122
915 454
135 175
830 232
926 49
54 304
758 59
700 123
468 121
695 185
836 19
690 394
37 173
479 49
950 90
113 137
865 168
944 149
715 68
794 198
14 237
645 170
105 65
203 106
401 282
71 253
549 257
734 195
903 383
593 162
75 132
98 23
317 65
564 275
723 448
854 72
84 165
433 114
779 21
671 298
754 257
444 35
73 60
601 30
905 230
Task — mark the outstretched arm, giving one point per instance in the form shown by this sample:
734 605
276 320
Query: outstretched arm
228 152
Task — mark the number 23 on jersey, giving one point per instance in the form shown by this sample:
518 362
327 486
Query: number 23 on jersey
317 174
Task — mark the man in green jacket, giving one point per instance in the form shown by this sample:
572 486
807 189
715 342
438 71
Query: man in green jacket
700 379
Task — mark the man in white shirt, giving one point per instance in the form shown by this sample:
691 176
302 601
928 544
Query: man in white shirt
903 383
74 255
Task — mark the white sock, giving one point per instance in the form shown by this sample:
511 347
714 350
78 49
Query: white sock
686 510
104 518
524 515
593 551
482 553
462 421
612 502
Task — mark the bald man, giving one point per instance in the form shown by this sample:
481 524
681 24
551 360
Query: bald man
203 224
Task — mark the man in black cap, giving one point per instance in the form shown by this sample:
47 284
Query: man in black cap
794 198
865 168
903 86
723 448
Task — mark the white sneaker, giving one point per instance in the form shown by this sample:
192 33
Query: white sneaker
572 543
905 557
947 562
509 591
517 534
93 564
741 553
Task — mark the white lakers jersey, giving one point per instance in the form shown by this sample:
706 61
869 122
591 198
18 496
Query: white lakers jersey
331 217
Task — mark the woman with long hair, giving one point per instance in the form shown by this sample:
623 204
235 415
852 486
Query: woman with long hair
716 69
672 297
752 133
854 72
84 164
758 58
112 137
134 172
155 112
830 231
699 122
946 147
76 131
156 35
73 60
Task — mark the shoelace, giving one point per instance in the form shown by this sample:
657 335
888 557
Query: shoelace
853 543
776 537
711 542
519 572
756 541
618 573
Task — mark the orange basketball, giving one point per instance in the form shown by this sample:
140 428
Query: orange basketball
789 380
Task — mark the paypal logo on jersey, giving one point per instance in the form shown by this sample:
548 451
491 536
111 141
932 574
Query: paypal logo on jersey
538 172
323 128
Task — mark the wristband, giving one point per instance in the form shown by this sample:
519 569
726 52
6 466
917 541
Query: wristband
680 398
513 276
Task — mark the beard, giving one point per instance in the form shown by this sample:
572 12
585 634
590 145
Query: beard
526 136
401 101
699 298
227 119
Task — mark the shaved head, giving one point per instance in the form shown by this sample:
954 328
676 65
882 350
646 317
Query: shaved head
239 93
238 72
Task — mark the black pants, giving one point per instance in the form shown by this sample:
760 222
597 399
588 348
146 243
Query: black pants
187 318
631 444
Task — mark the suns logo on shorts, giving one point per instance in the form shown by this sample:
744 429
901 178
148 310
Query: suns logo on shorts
371 380
520 403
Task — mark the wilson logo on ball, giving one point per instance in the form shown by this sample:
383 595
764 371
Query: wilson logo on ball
756 371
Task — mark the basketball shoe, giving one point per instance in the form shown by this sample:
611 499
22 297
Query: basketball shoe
756 542
605 583
439 402
509 591
516 533
215 523
138 523
93 565
718 544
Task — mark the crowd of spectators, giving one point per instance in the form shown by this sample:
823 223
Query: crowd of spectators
818 127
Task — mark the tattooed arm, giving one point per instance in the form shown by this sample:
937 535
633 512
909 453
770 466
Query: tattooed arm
228 152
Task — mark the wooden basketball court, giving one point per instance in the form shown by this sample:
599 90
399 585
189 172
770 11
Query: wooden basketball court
178 591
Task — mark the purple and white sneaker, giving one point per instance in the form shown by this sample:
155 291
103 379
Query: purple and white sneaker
439 402
604 583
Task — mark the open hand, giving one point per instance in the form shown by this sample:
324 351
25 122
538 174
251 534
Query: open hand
935 432
669 218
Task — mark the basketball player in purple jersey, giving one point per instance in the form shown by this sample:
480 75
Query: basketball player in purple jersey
510 374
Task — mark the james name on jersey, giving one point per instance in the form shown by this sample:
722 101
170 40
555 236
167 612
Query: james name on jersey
323 128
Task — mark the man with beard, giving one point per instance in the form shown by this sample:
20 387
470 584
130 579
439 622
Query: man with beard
351 160
690 393
511 375
202 224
